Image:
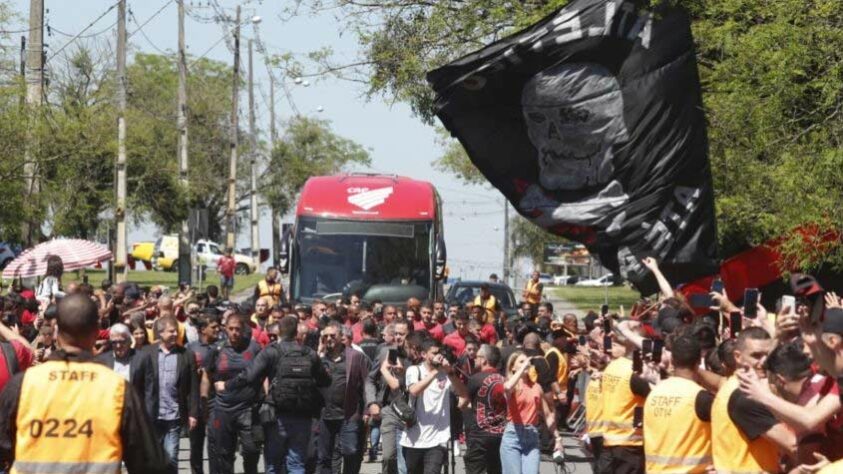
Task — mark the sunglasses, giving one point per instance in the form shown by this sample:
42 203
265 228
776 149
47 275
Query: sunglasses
117 342
326 336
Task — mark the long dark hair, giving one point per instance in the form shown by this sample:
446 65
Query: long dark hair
55 266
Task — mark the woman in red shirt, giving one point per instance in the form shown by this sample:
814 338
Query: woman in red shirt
524 398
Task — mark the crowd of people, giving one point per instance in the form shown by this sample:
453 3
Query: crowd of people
321 387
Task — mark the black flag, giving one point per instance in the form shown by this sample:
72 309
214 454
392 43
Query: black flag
591 124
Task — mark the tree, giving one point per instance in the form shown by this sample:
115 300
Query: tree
772 75
307 148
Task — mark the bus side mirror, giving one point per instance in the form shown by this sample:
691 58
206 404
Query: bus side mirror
284 252
441 258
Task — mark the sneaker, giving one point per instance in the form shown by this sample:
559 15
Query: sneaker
456 450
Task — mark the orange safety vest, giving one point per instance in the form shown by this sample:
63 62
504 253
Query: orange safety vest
69 418
273 291
594 408
619 405
490 305
533 292
733 452
677 440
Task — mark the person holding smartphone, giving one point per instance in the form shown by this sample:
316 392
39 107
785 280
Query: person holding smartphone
521 442
623 393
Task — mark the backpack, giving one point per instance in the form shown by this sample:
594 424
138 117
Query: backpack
294 389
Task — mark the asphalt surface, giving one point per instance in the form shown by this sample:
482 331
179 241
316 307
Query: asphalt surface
576 461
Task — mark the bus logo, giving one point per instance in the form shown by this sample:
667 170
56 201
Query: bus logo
369 199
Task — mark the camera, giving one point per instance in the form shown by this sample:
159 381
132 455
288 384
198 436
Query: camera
447 353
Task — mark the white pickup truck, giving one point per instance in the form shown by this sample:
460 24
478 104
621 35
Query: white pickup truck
166 255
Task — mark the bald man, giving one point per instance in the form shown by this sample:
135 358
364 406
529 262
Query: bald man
85 417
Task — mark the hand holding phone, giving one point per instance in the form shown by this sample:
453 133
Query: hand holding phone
647 347
637 362
735 324
750 303
393 356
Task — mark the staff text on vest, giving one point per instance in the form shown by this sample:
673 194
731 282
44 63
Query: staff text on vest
72 375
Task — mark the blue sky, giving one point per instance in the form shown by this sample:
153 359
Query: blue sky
399 142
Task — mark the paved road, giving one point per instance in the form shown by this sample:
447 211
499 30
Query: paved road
577 463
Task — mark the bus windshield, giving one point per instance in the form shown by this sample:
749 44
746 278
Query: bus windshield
334 256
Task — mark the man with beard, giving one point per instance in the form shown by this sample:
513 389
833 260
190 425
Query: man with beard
486 418
341 423
208 325
234 410
427 323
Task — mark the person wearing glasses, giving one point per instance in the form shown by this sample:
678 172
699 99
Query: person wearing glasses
341 421
121 357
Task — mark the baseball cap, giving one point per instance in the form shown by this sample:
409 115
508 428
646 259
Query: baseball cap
804 285
833 321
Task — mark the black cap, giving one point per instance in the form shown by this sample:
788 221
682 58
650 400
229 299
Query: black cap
833 321
804 285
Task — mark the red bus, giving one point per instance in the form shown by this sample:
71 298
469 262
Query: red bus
378 236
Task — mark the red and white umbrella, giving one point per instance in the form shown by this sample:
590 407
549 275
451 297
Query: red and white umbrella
74 253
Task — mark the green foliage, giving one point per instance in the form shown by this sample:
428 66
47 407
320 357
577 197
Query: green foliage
455 160
307 148
772 75
529 240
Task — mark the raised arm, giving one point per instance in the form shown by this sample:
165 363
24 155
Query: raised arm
664 285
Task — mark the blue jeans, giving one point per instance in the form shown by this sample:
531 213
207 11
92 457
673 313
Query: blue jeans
167 433
294 437
520 449
374 436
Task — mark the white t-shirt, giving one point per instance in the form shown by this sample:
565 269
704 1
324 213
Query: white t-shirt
433 411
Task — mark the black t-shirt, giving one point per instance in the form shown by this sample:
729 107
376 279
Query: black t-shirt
702 405
487 416
200 351
751 417
334 394
369 347
226 363
639 386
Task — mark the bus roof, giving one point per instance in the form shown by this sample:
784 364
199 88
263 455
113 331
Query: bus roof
367 196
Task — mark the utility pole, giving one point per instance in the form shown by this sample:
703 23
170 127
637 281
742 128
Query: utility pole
34 99
506 263
253 190
276 219
232 168
185 242
120 207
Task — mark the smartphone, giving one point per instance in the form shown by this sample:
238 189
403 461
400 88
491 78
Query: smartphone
637 362
582 340
817 308
393 356
735 324
750 303
607 343
658 346
717 286
789 301
638 417
604 310
647 347
607 325
700 300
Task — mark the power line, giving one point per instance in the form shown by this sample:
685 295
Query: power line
51 29
78 35
140 27
143 33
